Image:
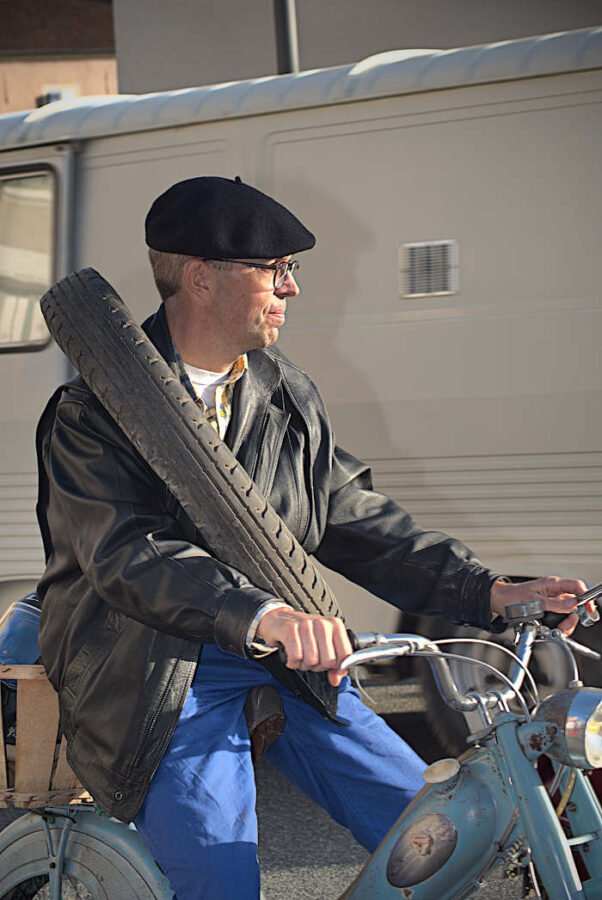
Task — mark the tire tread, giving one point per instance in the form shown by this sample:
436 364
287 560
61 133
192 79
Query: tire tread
95 330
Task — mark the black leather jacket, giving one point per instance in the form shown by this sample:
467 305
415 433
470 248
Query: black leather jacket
130 595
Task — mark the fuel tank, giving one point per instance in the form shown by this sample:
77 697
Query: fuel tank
446 839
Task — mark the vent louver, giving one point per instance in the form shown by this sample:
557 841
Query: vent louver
429 269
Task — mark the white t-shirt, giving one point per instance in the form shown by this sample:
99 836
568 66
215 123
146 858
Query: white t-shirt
205 382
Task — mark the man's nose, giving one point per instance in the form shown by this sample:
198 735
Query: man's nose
289 287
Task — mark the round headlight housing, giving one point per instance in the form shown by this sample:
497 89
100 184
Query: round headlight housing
577 715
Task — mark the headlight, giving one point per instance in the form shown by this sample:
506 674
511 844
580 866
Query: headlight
578 717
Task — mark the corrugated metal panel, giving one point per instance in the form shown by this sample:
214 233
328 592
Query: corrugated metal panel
21 552
394 72
524 514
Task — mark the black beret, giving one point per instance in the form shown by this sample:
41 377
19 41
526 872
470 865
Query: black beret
217 217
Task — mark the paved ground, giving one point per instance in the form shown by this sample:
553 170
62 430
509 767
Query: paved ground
306 856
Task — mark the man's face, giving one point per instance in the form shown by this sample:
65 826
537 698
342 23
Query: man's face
247 308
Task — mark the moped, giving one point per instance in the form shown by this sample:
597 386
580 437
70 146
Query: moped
491 806
489 809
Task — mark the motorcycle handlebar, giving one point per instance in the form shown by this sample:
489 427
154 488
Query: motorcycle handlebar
372 647
592 595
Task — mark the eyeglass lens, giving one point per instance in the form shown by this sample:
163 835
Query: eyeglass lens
282 270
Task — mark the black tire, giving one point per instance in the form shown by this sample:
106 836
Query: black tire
95 330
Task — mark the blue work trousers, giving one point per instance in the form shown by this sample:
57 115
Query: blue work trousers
198 818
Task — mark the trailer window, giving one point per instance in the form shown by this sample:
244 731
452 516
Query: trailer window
26 258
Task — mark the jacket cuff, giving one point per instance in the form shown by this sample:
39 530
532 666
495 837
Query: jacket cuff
274 603
237 611
475 599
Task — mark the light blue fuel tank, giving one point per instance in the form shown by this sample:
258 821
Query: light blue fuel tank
447 837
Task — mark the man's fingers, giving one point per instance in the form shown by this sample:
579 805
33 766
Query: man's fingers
316 643
568 625
335 676
310 650
343 649
554 586
342 643
564 603
292 644
560 595
319 632
331 642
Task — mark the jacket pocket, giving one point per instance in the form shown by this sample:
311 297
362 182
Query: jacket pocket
268 448
101 636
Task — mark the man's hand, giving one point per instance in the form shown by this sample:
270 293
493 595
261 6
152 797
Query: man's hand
315 643
558 595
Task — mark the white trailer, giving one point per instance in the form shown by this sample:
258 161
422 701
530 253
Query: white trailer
450 312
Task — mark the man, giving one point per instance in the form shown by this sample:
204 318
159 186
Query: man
149 639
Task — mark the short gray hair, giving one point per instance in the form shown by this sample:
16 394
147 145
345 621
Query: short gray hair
167 271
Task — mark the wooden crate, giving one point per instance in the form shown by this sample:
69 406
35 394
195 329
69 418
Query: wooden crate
34 772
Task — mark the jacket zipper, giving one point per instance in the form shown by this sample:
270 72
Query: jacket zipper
170 731
303 525
303 531
260 443
304 522
155 717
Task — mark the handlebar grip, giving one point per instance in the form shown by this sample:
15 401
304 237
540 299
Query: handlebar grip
355 644
553 620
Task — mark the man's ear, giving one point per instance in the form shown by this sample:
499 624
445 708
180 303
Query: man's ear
196 276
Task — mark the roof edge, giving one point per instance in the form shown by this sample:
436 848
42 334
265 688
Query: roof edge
394 72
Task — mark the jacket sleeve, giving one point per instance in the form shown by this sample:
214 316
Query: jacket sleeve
375 543
107 508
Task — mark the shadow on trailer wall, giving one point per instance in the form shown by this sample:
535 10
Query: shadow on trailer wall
456 199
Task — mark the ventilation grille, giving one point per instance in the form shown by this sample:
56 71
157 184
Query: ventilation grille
21 552
429 269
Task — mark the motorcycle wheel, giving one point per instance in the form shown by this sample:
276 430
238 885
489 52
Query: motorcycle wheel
95 330
103 859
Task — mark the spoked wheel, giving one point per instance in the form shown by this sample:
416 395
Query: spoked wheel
533 888
38 888
89 857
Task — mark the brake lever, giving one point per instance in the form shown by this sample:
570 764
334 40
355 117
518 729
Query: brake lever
586 618
581 649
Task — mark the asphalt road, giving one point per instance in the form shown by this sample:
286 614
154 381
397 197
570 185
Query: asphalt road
306 856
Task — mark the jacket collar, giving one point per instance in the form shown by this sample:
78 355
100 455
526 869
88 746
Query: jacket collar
251 393
158 331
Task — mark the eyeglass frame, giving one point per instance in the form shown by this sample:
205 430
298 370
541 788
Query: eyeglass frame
289 267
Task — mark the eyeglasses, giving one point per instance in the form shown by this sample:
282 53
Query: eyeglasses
280 269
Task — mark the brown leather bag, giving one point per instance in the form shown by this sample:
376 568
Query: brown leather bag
265 718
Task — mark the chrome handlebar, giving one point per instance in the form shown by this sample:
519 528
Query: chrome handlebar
373 647
370 647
